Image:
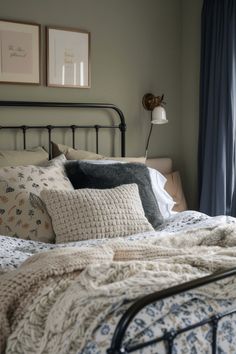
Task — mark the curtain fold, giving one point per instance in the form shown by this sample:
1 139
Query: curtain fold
217 133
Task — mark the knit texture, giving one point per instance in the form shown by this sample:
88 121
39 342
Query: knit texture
49 306
96 213
83 174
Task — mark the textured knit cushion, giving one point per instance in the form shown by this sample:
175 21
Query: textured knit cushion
75 154
96 213
22 213
35 156
87 175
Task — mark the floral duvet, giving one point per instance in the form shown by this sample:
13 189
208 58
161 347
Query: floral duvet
104 290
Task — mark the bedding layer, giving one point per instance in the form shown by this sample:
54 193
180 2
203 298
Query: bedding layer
14 251
70 299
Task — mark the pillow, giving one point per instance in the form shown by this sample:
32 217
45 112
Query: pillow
34 156
22 213
161 164
128 159
74 154
96 213
101 176
164 200
174 187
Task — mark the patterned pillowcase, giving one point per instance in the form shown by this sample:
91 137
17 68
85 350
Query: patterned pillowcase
96 213
22 212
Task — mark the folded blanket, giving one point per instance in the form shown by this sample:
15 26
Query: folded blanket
53 302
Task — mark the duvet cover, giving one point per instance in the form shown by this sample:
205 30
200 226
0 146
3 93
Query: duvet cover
68 298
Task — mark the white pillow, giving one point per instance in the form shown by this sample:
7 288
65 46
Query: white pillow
164 200
158 181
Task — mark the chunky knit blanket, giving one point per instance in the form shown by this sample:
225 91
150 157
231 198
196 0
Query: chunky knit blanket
55 300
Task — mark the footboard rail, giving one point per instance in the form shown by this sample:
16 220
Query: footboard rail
117 346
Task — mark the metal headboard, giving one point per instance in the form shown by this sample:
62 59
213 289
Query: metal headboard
24 128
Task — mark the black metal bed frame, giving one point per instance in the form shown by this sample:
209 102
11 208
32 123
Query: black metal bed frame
117 345
49 128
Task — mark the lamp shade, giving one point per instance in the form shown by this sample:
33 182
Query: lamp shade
159 115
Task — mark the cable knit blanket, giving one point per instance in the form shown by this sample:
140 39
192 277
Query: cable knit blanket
54 301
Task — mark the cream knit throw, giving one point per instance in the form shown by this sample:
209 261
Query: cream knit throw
49 300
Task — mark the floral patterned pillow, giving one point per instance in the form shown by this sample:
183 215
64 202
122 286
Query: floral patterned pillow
22 212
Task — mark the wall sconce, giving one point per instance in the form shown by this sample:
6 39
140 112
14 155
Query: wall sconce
158 112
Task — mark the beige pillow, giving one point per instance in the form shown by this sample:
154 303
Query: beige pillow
22 213
36 156
173 186
86 213
74 154
128 159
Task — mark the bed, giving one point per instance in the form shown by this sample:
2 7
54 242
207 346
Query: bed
164 289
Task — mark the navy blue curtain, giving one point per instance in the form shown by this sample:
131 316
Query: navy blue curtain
217 134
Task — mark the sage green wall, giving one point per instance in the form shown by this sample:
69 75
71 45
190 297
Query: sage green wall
191 32
135 49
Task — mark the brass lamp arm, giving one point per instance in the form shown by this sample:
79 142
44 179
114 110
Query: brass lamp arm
148 139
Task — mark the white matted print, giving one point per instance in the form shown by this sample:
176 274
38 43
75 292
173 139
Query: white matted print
19 52
68 53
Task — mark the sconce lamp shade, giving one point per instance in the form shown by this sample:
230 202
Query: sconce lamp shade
159 115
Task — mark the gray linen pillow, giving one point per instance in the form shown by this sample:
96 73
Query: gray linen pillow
95 213
88 175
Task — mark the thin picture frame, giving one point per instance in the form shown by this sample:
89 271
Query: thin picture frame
20 52
68 58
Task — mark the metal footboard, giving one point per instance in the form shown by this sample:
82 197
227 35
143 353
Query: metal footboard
117 346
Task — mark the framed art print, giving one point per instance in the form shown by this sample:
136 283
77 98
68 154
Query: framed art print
19 52
68 58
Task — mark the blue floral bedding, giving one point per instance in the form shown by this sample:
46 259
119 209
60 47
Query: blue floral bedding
176 312
179 312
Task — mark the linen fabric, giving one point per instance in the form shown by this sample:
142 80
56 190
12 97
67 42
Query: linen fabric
78 154
163 165
73 154
35 156
22 212
95 213
102 176
174 188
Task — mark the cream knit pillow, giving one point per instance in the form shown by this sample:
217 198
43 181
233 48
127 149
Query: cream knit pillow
95 213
